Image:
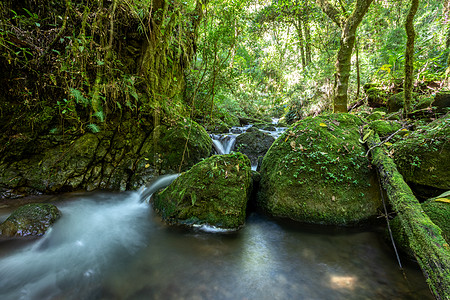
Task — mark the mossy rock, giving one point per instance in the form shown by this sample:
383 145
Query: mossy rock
385 127
437 209
376 96
317 172
214 192
422 157
253 144
442 101
377 115
179 146
30 220
396 102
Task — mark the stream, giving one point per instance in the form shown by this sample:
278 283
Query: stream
113 246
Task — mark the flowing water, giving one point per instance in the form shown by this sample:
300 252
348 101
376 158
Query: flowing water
112 246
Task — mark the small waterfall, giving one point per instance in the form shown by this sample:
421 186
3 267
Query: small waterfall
223 143
161 182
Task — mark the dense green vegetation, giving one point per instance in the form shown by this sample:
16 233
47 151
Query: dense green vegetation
110 94
74 66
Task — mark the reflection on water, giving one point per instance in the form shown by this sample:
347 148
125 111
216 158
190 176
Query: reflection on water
111 246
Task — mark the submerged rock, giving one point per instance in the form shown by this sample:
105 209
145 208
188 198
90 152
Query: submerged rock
30 220
253 143
213 192
317 172
422 157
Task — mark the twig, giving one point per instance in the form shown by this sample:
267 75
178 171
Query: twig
387 139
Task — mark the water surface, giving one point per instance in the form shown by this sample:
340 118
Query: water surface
112 246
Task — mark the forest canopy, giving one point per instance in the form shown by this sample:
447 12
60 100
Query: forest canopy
83 63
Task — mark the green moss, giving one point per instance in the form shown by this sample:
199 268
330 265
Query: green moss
439 212
214 191
384 127
317 172
30 220
376 96
422 156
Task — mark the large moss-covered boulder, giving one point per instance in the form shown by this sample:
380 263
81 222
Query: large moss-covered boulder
213 192
30 220
422 157
317 172
253 143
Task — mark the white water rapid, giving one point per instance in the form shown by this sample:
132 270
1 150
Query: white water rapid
92 233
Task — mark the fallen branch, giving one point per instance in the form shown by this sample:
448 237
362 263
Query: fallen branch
425 239
386 139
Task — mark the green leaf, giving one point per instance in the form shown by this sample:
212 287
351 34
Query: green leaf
93 127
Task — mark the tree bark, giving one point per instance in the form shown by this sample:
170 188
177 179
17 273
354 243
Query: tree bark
347 41
409 56
447 44
298 27
425 239
307 31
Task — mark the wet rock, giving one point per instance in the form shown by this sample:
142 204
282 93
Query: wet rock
317 172
253 144
120 159
30 220
214 192
422 157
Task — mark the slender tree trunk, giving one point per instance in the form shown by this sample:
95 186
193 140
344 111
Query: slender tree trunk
307 31
358 75
298 27
409 55
447 25
348 35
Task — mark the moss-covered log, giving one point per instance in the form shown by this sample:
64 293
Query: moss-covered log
425 238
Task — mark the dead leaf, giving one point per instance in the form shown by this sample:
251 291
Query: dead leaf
293 145
323 125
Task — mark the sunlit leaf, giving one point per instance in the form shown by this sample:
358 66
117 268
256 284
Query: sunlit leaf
446 200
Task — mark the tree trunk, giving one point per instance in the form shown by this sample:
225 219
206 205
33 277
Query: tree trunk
348 36
447 44
307 32
298 27
425 239
409 55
